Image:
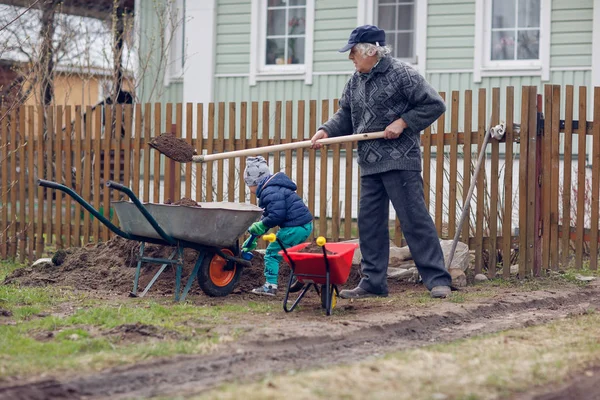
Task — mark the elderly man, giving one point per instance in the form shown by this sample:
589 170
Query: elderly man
386 94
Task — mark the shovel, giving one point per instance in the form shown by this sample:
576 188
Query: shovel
181 151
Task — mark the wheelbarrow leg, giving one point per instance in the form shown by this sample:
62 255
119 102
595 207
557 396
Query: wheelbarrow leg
155 277
178 274
192 277
137 271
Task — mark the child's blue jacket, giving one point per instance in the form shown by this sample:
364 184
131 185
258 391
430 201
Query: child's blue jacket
282 205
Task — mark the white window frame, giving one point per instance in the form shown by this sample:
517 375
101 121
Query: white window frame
175 65
412 60
484 66
366 15
259 71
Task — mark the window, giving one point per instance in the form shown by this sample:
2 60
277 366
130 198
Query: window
512 38
397 18
285 32
515 31
281 40
174 41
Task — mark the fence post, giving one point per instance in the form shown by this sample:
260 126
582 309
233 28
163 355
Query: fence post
537 242
171 183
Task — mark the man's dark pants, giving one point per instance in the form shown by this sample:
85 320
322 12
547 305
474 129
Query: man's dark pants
405 190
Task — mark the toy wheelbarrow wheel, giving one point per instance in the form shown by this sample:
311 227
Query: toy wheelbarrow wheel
333 292
217 277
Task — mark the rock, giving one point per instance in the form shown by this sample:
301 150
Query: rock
399 255
411 274
459 279
582 278
514 269
480 278
41 261
461 257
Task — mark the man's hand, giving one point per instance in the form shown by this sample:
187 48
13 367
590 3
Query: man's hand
395 129
258 228
321 134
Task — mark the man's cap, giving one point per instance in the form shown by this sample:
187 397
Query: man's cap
365 34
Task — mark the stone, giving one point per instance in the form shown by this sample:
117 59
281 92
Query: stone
461 257
582 278
514 269
480 278
41 261
459 279
411 275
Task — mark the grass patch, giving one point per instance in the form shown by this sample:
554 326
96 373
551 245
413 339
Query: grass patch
479 368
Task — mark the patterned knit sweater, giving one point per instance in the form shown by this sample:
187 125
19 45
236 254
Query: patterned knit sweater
372 101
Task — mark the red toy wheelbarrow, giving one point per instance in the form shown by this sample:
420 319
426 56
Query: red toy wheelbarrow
324 271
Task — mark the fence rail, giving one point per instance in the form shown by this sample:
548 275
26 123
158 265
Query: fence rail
529 190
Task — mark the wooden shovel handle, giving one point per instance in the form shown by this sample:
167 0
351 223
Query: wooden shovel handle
287 146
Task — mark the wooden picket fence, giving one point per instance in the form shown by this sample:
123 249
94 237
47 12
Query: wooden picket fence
80 149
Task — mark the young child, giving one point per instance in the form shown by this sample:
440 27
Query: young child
282 207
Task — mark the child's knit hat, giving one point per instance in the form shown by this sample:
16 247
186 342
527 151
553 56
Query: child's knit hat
256 170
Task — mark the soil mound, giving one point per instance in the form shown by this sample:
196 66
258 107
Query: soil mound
110 267
185 201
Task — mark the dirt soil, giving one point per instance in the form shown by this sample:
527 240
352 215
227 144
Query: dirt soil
110 267
315 249
175 148
583 386
358 330
185 201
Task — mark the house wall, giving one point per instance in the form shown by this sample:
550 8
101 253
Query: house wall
334 19
150 74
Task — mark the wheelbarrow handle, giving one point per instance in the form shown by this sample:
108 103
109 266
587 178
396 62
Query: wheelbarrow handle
116 185
49 184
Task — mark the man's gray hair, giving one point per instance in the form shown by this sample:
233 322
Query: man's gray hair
364 48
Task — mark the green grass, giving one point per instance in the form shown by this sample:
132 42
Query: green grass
54 329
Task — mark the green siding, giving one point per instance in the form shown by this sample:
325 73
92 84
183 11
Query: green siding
448 82
151 86
571 33
334 20
324 87
450 34
233 37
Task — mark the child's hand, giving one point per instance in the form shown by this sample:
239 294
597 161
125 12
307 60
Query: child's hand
258 228
249 247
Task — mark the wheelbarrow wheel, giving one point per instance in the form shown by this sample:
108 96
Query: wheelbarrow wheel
296 285
217 277
332 293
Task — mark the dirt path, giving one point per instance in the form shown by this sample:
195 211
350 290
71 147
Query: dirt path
295 343
584 386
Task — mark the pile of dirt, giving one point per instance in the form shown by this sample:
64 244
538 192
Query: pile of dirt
185 201
175 148
108 266
315 249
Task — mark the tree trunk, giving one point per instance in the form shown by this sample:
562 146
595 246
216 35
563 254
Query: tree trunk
47 50
118 29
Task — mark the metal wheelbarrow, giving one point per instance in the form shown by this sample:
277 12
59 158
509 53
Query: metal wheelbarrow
212 229
323 272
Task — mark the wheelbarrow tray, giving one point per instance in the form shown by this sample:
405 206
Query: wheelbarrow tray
310 267
217 224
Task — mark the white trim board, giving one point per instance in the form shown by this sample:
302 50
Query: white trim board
596 45
200 54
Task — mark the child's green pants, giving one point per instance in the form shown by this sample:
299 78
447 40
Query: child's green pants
290 236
